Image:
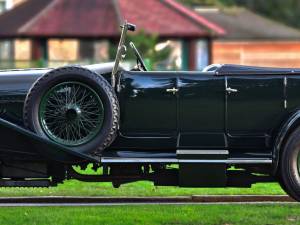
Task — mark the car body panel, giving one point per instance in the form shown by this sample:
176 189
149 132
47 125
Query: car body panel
201 108
148 111
200 114
254 111
22 144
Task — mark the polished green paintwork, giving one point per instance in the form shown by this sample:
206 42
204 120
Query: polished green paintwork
201 115
21 144
148 112
156 119
201 109
148 109
254 111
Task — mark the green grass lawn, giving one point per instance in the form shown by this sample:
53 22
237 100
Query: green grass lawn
154 214
77 188
142 188
146 214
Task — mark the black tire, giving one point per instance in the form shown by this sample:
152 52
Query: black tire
289 171
282 185
95 82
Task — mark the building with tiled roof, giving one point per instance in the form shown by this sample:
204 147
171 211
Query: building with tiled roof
48 22
251 39
61 31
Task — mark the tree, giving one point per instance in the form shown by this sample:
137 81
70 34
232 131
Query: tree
146 44
199 2
285 11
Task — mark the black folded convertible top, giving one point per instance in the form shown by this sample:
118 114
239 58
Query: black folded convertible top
229 69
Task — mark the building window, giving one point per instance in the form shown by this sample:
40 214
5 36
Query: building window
168 55
22 49
6 52
2 6
86 50
94 50
202 54
64 50
101 50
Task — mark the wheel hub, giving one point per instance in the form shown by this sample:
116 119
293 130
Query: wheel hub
73 113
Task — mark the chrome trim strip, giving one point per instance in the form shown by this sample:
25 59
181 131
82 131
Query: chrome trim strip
202 152
249 161
138 160
228 161
170 160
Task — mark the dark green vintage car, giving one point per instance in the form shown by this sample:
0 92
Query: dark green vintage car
227 126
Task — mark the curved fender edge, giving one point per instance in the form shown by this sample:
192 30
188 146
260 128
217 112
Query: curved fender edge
282 134
47 148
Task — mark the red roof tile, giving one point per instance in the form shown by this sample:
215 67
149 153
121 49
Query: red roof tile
11 21
75 18
101 18
157 17
196 17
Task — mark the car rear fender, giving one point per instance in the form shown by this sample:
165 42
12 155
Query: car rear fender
285 130
44 147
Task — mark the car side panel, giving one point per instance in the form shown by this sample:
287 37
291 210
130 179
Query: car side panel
148 111
14 86
201 110
293 93
254 111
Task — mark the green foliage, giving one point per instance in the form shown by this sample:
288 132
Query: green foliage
146 43
199 2
285 11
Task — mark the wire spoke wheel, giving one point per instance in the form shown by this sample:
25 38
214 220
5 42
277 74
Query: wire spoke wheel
75 107
71 113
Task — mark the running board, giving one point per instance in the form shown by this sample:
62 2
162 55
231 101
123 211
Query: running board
183 156
196 168
109 160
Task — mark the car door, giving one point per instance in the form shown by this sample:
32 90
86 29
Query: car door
148 102
254 106
201 109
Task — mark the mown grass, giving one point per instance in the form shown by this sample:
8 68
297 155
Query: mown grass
77 188
153 214
142 188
